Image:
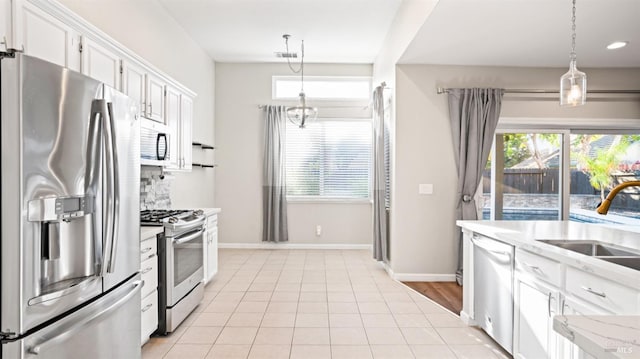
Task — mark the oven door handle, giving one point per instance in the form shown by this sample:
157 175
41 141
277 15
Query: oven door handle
189 237
193 224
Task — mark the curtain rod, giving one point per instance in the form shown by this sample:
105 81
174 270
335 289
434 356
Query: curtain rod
441 90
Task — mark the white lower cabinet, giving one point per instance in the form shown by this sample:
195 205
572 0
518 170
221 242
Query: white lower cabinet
574 306
149 294
210 259
535 306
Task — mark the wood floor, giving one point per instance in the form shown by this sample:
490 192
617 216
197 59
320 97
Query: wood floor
447 294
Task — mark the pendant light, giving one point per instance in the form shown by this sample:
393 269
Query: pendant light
573 84
299 115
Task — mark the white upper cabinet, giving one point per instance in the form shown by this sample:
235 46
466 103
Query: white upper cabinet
172 116
6 35
179 117
43 36
186 135
134 83
101 63
155 98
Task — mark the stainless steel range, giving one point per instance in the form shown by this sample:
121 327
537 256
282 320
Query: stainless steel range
180 253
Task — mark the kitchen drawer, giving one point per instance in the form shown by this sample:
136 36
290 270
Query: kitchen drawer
212 221
602 292
148 248
149 273
540 267
149 316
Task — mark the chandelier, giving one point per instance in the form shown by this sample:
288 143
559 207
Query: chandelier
301 113
573 84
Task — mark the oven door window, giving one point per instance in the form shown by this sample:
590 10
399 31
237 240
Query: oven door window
187 258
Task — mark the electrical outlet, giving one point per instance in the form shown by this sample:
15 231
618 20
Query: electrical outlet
318 230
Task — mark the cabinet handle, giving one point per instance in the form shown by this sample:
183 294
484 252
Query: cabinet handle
549 304
146 270
145 250
150 108
147 307
599 294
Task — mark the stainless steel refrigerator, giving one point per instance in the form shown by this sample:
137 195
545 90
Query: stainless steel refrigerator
69 252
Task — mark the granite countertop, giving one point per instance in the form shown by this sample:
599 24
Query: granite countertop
525 235
603 336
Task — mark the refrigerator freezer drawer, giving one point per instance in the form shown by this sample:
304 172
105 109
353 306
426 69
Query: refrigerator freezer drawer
102 330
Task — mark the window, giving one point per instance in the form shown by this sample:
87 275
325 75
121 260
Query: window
562 174
323 88
329 159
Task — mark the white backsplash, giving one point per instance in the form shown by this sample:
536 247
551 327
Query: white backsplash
155 192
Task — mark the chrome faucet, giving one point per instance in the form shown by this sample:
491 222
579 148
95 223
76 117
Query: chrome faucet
603 207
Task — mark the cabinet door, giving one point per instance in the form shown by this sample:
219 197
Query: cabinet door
533 323
212 255
572 306
6 36
101 63
186 127
134 83
43 36
172 118
155 98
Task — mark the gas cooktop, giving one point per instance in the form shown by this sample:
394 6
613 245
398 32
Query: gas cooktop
161 217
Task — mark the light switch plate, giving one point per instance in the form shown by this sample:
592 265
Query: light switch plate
425 188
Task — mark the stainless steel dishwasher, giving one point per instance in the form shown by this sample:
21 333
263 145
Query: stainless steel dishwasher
493 283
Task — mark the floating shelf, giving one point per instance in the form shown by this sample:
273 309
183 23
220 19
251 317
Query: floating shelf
203 146
203 165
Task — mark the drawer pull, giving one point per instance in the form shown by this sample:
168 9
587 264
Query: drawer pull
145 250
599 294
147 307
146 270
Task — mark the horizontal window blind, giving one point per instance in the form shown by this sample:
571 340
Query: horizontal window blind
329 159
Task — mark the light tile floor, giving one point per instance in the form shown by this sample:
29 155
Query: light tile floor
316 304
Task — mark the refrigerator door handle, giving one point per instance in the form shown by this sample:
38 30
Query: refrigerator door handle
94 149
96 317
114 172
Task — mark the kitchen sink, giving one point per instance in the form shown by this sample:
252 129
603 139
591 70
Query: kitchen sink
592 248
629 262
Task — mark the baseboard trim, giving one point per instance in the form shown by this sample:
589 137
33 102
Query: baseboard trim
293 246
426 277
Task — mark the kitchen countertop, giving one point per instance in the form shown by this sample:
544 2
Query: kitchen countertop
525 235
603 336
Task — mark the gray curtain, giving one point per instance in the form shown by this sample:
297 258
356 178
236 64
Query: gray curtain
474 116
274 188
380 250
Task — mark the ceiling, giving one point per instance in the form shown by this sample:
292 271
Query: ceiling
334 31
533 33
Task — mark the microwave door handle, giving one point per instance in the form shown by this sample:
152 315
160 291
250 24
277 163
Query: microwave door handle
164 156
114 172
84 323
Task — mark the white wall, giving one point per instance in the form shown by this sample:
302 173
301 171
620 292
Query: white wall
423 232
240 88
146 28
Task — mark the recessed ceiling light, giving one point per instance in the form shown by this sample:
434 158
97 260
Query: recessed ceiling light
617 45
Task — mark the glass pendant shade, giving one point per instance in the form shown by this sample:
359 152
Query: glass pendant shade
573 87
299 115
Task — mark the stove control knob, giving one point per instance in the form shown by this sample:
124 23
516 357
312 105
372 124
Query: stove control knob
172 220
198 212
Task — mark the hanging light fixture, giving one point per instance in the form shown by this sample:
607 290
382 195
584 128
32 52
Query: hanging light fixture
300 114
573 84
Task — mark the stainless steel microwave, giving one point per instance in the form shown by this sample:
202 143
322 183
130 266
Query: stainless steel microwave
155 138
